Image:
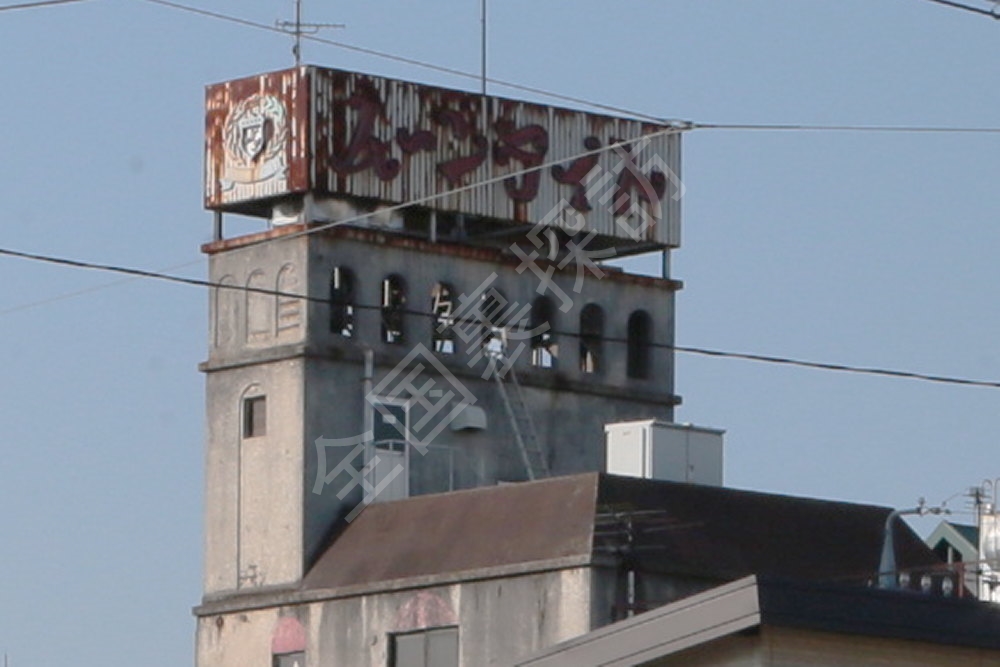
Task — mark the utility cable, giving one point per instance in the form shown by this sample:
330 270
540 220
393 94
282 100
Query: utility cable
569 98
87 290
409 61
33 5
845 368
618 145
676 128
798 127
975 10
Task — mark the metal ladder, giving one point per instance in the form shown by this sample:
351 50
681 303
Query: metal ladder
520 419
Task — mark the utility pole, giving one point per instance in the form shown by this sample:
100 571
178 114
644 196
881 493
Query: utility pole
887 563
297 28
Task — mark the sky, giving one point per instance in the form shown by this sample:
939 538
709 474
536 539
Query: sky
874 249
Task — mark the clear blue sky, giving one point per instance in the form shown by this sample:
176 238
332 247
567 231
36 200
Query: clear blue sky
864 249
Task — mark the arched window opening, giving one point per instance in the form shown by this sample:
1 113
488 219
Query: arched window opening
494 315
393 310
502 321
342 302
544 350
591 338
442 325
640 339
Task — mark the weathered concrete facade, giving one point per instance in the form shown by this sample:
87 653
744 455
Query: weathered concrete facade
355 627
265 523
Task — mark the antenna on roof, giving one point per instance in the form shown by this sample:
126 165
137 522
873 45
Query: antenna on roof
484 46
297 28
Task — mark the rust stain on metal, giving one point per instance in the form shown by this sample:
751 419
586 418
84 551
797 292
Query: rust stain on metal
349 135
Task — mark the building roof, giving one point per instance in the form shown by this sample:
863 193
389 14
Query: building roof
962 538
969 533
729 533
691 530
753 601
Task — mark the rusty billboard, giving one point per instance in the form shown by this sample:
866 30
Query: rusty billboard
354 136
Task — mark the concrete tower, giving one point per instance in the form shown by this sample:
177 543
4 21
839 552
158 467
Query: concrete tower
358 362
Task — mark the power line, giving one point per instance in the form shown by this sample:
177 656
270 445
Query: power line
197 282
967 8
412 61
86 290
41 3
799 127
597 105
676 128
619 145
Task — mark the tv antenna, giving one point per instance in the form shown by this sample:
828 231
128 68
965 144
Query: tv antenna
297 28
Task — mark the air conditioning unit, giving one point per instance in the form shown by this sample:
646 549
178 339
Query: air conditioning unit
653 449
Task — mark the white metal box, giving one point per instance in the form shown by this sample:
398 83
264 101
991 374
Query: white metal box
654 449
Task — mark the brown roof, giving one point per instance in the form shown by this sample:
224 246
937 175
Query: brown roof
724 533
465 530
684 529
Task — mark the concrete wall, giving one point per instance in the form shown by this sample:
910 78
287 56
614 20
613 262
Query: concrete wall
253 512
264 523
498 620
651 590
253 486
569 407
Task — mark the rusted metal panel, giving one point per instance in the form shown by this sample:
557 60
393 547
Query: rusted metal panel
256 138
357 136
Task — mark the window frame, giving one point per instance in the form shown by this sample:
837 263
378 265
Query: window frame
425 633
276 658
342 307
254 406
393 314
591 339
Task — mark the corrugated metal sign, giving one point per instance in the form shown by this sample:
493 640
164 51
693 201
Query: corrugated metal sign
344 134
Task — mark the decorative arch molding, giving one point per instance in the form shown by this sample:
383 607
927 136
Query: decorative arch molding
258 324
424 610
289 636
288 310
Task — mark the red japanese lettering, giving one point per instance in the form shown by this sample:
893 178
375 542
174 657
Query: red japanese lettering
365 150
511 144
576 172
649 189
462 122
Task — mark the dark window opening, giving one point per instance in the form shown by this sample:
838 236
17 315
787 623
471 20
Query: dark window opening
640 338
591 338
393 310
946 553
544 350
431 648
493 316
290 660
442 326
254 416
342 302
500 320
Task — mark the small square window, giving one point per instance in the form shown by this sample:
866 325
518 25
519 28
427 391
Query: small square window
254 416
430 648
290 660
